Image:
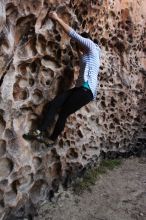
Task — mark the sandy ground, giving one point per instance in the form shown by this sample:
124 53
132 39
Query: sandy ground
119 194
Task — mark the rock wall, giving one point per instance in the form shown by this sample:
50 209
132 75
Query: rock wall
37 62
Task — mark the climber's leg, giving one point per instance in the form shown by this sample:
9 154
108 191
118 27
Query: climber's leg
76 100
48 118
52 109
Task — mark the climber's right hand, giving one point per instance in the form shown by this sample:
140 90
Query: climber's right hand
53 15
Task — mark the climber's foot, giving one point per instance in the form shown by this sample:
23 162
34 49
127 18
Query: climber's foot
34 135
40 136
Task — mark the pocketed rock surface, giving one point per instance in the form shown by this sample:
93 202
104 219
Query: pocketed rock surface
118 195
37 62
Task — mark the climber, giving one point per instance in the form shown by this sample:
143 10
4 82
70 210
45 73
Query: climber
84 91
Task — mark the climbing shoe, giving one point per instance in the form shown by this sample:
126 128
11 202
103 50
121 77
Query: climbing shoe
34 135
41 136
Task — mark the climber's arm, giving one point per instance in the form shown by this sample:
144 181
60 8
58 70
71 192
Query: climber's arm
65 26
86 43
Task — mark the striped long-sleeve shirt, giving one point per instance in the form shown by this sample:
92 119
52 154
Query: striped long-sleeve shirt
89 62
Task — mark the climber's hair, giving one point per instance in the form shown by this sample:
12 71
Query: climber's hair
86 35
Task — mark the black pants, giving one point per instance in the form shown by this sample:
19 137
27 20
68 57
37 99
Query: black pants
68 102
